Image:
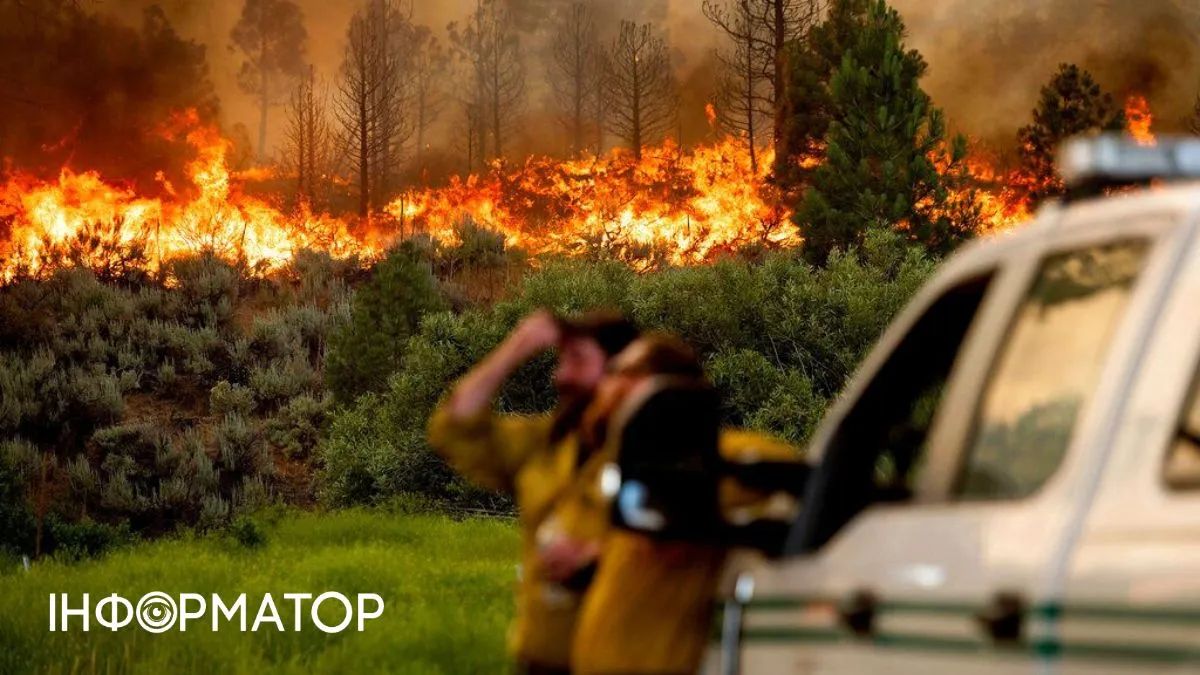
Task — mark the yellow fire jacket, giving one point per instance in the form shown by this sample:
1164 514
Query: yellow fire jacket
513 454
650 607
555 496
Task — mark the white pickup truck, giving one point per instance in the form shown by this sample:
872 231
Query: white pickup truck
1011 482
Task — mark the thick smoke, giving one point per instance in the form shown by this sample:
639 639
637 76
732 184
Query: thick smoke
988 58
209 23
87 91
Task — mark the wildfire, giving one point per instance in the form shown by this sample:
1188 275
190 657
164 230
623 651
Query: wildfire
81 213
1138 119
669 204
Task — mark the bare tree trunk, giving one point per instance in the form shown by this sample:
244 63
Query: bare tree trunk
780 42
264 96
496 133
640 86
636 129
364 159
421 111
749 82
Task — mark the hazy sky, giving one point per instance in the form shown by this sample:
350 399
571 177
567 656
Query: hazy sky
987 58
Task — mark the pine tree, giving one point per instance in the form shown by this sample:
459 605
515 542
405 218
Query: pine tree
806 106
883 138
1071 103
367 350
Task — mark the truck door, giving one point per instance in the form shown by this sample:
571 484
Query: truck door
924 546
1132 596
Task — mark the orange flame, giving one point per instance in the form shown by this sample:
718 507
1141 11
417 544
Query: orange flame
681 206
1138 119
668 206
45 217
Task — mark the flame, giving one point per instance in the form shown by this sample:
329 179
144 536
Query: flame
1138 119
998 197
710 114
670 206
46 218
684 207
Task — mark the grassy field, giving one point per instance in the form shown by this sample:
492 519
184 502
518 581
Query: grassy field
446 584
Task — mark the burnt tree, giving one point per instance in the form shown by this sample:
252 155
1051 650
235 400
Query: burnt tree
429 65
760 31
744 103
573 72
308 140
489 48
270 35
374 98
639 87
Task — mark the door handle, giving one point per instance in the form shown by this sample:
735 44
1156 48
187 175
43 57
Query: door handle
1003 619
857 612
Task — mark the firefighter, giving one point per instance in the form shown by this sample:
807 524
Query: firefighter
650 606
543 463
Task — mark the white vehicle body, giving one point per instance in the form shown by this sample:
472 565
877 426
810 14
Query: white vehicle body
1051 522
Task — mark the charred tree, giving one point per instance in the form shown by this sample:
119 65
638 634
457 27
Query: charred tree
598 110
505 81
270 35
468 42
639 87
489 47
744 102
761 31
374 98
308 143
429 66
573 72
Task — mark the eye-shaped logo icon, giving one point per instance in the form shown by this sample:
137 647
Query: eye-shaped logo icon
156 612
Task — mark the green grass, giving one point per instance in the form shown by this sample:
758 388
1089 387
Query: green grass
446 584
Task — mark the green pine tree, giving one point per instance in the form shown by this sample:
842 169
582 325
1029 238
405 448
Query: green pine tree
1072 103
386 311
807 106
881 147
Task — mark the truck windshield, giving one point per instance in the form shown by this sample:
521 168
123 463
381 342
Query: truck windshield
1049 364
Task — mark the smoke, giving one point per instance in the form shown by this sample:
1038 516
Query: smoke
87 91
210 22
989 58
987 61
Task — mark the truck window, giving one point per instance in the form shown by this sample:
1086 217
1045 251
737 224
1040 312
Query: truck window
1182 468
1047 367
878 448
